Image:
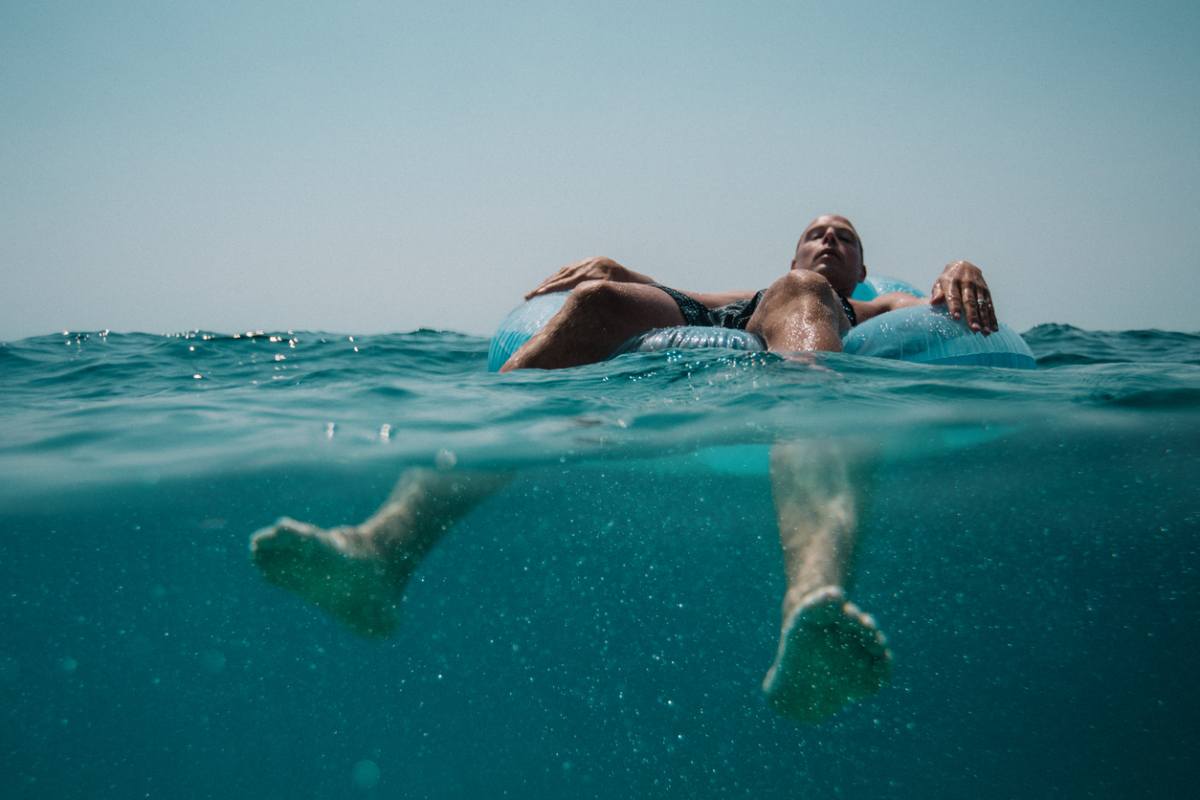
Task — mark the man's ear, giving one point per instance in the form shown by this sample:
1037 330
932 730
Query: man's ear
862 274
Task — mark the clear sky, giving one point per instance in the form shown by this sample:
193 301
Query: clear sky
382 166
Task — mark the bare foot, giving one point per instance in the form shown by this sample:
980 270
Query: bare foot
337 570
830 654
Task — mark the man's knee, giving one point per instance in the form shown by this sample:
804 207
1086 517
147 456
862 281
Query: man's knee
595 298
800 283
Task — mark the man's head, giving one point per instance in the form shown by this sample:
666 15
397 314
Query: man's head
831 248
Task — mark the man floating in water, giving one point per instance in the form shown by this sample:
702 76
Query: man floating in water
808 309
830 653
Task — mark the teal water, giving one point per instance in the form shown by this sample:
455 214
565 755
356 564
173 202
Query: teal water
600 627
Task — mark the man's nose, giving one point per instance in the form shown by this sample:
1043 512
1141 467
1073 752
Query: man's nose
829 236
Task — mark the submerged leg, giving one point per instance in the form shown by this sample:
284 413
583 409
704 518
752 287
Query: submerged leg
830 652
357 573
597 318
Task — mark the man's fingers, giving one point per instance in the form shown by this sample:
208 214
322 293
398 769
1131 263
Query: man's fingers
555 282
553 285
987 313
970 301
937 296
983 299
987 310
541 288
545 288
954 300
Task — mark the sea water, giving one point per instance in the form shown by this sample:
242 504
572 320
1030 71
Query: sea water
600 627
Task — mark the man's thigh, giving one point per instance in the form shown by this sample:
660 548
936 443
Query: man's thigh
635 307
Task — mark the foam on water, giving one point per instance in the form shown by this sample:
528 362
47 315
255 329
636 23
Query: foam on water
600 627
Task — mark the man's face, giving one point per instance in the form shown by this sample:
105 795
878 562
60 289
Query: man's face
831 248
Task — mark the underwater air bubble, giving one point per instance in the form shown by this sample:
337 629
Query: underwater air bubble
365 774
445 459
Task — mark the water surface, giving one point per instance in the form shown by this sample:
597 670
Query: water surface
601 626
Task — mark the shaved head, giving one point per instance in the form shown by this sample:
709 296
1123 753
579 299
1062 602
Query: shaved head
830 246
826 218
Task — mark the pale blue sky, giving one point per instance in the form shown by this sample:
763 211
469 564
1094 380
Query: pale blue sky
368 167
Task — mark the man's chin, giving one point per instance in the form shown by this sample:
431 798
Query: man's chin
835 275
827 270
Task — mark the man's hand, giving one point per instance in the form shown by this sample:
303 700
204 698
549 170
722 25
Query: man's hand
963 290
590 269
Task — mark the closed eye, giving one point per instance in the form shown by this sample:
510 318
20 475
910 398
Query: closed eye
844 234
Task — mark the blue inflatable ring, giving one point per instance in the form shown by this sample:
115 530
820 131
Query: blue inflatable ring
921 334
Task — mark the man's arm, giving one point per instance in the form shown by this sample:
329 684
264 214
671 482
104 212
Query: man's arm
597 268
600 268
960 287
